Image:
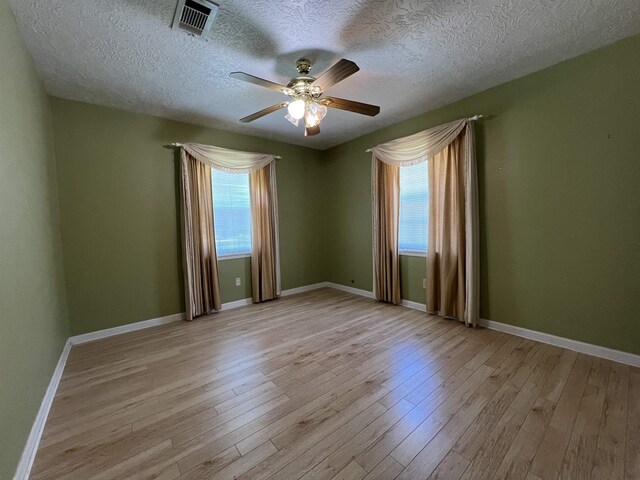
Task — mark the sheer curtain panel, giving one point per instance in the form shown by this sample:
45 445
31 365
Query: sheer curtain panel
200 262
265 271
386 205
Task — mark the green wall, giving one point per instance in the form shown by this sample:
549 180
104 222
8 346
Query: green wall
119 203
33 318
559 174
412 271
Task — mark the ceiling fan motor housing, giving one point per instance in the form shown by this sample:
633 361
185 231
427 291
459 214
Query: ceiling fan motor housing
303 66
302 85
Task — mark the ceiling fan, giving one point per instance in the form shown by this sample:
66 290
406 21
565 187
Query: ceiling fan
306 93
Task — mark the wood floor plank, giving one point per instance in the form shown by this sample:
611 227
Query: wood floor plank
342 456
387 469
473 438
517 461
441 390
581 450
452 467
422 435
632 447
607 466
428 459
548 460
488 459
614 419
237 467
353 471
301 466
325 385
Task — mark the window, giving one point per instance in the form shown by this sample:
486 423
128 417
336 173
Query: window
414 214
232 212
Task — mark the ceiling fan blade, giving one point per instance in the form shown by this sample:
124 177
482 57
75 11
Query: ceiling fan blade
351 106
310 131
245 77
263 112
337 73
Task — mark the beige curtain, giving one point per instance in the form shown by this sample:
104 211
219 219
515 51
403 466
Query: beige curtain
202 288
452 259
446 246
265 281
265 252
386 206
472 229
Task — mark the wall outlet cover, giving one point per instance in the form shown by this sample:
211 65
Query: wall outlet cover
237 281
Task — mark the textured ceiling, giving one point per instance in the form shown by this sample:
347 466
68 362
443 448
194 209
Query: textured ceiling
414 55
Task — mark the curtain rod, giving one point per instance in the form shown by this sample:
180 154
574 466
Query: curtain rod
471 119
178 145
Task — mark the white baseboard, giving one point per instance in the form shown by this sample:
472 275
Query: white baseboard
415 305
284 293
30 449
130 327
355 291
304 288
575 345
236 303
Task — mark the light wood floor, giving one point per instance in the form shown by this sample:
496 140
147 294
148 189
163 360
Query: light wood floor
329 385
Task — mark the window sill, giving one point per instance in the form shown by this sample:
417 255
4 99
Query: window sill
232 256
410 253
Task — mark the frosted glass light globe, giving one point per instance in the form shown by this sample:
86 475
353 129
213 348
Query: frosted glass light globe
314 114
296 109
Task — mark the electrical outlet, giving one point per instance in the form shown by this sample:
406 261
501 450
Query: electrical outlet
424 283
237 281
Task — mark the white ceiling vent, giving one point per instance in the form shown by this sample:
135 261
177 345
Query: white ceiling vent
195 16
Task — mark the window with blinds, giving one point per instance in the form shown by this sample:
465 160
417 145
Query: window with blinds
414 213
232 212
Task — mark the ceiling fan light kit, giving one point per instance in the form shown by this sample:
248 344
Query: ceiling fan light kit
296 108
306 93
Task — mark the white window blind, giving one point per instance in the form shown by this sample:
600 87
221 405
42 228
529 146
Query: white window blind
232 212
414 213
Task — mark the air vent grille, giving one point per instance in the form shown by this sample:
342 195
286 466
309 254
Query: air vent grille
195 16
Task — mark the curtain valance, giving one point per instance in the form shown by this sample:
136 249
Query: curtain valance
231 161
418 147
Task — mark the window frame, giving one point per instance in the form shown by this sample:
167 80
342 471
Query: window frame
412 253
232 256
